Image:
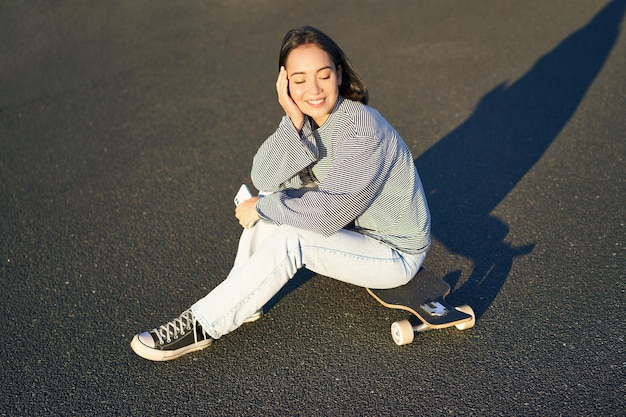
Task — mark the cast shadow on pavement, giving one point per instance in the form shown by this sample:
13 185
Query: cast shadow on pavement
471 170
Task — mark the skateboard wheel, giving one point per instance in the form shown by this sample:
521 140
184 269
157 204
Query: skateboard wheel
402 332
468 324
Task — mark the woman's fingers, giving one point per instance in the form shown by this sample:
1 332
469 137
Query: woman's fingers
284 99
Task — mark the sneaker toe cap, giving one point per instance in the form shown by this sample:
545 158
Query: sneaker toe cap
146 339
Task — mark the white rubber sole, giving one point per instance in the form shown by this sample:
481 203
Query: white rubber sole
152 354
254 317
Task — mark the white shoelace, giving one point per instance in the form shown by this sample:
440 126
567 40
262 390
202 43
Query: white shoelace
177 327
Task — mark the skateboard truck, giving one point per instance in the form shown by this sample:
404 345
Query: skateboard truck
403 331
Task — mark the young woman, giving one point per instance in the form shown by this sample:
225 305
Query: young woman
343 200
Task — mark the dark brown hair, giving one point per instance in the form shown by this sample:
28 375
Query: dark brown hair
352 84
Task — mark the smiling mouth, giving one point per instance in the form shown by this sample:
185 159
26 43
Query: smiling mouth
316 102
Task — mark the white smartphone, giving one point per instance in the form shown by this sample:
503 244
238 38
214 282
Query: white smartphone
242 195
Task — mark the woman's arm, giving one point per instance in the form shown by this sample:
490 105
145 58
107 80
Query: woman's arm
289 150
354 181
282 156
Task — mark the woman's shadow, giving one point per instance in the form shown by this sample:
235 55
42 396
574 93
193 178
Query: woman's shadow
471 170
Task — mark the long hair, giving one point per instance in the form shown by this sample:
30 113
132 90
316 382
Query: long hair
352 84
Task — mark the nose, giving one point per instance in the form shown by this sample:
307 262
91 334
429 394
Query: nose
315 87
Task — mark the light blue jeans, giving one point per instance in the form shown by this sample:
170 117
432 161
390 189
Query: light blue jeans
269 255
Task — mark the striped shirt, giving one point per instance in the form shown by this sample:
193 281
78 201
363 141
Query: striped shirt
353 170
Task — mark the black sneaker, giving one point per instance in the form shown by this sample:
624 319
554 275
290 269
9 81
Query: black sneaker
172 340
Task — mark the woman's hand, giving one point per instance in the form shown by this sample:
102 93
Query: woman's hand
246 213
291 108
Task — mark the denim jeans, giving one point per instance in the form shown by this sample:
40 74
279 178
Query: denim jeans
269 255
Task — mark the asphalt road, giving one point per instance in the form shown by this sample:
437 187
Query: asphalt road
127 127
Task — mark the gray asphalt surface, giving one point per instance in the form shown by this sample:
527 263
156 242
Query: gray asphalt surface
127 127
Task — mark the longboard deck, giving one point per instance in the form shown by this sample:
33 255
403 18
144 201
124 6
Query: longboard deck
424 297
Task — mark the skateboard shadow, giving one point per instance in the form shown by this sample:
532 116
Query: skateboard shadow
471 170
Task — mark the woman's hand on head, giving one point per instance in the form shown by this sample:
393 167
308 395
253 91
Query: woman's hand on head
284 99
246 213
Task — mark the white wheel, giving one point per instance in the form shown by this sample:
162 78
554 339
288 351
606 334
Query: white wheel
468 324
402 332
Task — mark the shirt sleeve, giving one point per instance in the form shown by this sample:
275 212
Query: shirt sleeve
353 182
282 156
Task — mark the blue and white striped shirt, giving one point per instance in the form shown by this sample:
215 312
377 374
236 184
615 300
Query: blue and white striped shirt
363 172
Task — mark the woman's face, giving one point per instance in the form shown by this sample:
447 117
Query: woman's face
313 81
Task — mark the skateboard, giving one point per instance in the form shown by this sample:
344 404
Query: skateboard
424 297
